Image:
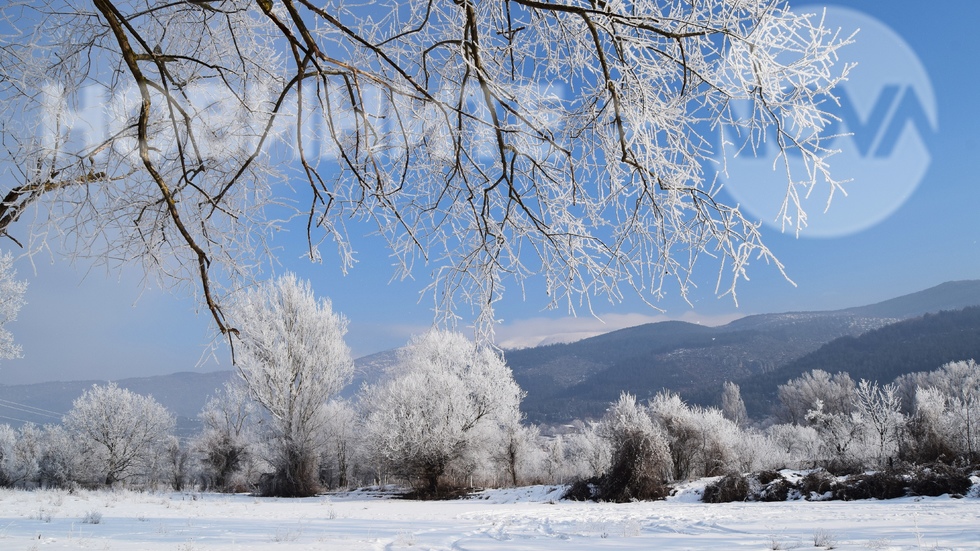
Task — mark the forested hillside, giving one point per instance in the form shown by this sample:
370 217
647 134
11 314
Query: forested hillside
579 380
920 344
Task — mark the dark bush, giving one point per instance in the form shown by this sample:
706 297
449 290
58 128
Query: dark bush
775 490
843 467
922 444
582 490
765 477
932 480
731 487
938 479
295 476
443 492
635 474
880 485
222 458
817 482
772 486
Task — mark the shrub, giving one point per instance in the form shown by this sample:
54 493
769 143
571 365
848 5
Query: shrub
641 459
938 479
824 538
295 474
775 490
731 487
582 490
933 480
843 466
765 477
817 482
879 485
636 473
444 491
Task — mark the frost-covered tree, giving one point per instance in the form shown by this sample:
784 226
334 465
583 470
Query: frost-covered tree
702 441
8 437
754 451
61 462
521 456
797 397
930 433
20 452
27 455
11 300
588 452
225 447
496 140
879 408
732 405
798 444
841 437
555 459
177 463
338 462
960 382
640 464
291 355
908 385
722 442
446 401
946 421
671 413
118 432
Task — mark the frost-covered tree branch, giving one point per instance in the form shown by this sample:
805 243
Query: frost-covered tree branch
492 141
11 301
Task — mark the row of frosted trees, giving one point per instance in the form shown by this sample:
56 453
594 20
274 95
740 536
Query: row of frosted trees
447 417
439 423
110 436
919 418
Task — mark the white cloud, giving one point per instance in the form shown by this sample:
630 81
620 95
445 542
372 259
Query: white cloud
541 331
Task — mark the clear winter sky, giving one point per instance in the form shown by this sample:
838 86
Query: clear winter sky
85 325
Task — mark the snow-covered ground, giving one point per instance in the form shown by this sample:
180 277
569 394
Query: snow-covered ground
521 518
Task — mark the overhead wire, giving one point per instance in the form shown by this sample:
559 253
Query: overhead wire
25 408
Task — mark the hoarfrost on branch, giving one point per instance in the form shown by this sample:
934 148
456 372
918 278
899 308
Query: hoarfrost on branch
491 141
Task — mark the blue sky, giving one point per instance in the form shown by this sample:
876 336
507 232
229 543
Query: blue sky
81 324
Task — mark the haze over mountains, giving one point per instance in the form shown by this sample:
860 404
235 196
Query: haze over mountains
578 380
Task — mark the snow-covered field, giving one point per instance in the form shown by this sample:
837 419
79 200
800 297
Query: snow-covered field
522 518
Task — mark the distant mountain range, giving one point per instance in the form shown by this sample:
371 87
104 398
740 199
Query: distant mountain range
576 380
579 380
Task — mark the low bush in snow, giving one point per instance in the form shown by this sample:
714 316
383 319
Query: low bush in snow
772 486
819 485
640 464
938 479
877 485
729 488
